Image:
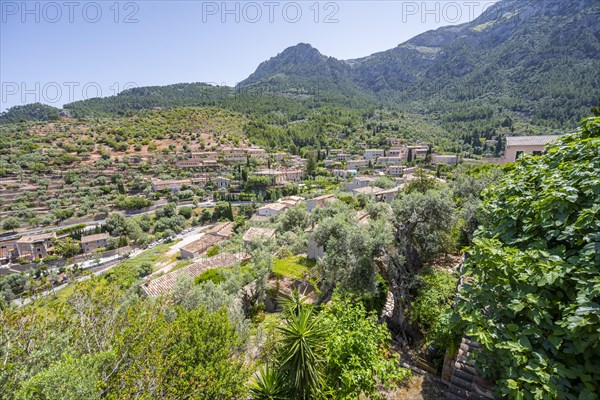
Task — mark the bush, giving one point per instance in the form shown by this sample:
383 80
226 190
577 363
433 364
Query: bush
186 212
431 308
533 293
132 202
144 269
216 276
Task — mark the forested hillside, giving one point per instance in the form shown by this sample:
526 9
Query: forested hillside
521 67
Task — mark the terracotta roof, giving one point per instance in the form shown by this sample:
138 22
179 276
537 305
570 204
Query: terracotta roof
274 206
202 244
296 199
465 381
323 197
93 238
368 190
258 233
392 190
36 238
259 218
223 229
365 178
530 140
164 284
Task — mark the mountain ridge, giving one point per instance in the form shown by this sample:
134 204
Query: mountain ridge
538 59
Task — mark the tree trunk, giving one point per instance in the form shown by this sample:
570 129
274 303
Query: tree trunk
398 323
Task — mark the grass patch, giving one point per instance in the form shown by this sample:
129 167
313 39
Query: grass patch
292 267
127 273
180 264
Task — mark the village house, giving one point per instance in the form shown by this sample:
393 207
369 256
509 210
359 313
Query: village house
94 242
343 156
294 175
199 180
297 161
373 154
367 190
387 195
517 145
172 185
291 201
32 247
356 164
256 233
272 209
198 247
8 251
445 159
280 177
401 151
418 151
344 173
222 229
222 182
360 182
277 177
389 160
212 237
233 154
395 170
318 202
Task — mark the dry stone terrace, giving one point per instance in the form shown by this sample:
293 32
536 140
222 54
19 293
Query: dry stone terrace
164 284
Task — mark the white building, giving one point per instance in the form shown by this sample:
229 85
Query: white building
517 145
272 209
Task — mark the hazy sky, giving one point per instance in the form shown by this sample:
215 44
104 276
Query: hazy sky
57 52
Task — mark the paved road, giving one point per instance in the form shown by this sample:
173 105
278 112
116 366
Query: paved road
93 224
106 264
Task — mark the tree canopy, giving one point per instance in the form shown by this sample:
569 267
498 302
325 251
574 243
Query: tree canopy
532 291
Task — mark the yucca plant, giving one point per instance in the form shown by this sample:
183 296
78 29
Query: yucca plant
268 384
301 355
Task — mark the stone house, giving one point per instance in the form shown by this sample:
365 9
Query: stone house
94 242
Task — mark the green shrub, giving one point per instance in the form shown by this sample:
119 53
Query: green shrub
216 276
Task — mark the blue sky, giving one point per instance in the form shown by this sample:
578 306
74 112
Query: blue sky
57 52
